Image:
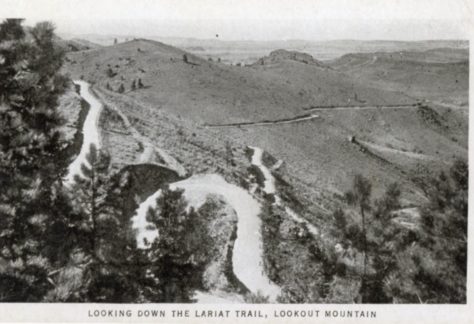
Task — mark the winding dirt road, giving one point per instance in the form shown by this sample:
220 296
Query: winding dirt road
269 188
248 253
352 108
90 130
266 123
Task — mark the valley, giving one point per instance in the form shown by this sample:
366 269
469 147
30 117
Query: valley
309 127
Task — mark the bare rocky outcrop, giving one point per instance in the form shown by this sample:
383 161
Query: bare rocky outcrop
281 54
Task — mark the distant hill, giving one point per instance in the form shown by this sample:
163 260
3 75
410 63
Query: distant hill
75 45
217 93
439 74
248 51
281 55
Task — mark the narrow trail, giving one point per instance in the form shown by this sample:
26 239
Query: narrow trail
386 149
352 108
266 123
269 188
248 252
247 258
449 105
149 148
90 130
364 64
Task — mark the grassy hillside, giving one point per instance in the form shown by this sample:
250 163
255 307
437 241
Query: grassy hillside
182 92
320 85
216 93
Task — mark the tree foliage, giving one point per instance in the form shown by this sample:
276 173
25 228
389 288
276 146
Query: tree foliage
359 196
105 233
374 234
425 263
436 266
32 161
179 254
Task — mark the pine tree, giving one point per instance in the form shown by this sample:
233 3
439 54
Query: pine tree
107 239
441 259
385 241
180 252
121 89
32 161
359 196
371 289
89 194
134 85
426 263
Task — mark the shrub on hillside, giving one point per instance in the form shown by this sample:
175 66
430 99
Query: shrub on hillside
258 174
426 263
110 73
257 298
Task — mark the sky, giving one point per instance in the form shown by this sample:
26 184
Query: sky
252 19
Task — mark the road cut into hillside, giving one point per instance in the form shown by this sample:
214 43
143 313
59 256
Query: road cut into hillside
90 130
270 188
247 258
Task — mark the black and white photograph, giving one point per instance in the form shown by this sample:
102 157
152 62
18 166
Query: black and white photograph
234 152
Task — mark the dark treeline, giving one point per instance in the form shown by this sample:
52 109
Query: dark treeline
421 260
70 243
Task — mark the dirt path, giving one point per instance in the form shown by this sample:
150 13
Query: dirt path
149 148
449 105
369 62
90 130
269 188
247 254
352 108
386 149
266 123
